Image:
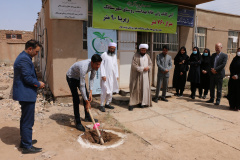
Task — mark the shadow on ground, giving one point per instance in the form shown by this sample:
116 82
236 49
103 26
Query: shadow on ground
10 136
63 119
202 102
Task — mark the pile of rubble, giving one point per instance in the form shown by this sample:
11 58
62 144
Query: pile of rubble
44 98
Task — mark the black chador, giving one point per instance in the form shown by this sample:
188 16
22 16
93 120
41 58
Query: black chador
194 72
205 73
234 85
180 71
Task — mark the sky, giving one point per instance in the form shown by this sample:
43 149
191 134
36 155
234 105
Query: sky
226 6
19 14
22 14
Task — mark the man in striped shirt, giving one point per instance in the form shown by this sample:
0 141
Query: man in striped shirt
76 79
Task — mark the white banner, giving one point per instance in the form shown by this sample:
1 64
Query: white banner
69 9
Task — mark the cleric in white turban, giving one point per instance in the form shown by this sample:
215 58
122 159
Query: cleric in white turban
109 76
112 44
143 46
140 90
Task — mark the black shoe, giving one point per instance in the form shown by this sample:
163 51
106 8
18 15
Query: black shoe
204 97
31 150
155 100
193 97
217 103
164 99
177 94
130 108
109 106
33 142
102 108
80 127
200 96
140 105
90 120
210 101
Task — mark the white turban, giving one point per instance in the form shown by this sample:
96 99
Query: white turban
112 44
143 46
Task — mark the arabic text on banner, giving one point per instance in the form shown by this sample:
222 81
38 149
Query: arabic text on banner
135 15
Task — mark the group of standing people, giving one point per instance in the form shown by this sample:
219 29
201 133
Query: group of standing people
199 72
205 72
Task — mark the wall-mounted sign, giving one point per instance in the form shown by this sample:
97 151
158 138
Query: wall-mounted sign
185 17
98 40
135 15
69 9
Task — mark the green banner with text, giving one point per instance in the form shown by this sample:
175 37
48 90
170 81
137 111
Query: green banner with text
135 15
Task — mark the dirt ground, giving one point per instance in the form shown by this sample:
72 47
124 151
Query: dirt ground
174 130
55 130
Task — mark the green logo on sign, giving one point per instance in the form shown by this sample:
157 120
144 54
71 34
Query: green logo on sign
100 43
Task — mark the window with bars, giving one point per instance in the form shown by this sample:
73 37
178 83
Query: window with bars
232 42
161 39
128 40
8 36
19 36
144 37
13 36
201 38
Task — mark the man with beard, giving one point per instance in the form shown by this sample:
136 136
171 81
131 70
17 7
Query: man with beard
109 75
140 89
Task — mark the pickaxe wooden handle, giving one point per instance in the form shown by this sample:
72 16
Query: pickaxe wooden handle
99 135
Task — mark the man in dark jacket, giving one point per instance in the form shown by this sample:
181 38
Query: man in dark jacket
25 86
218 63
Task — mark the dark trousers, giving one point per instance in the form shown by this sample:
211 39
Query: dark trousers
181 91
161 81
205 84
26 123
180 83
194 87
74 84
215 81
201 90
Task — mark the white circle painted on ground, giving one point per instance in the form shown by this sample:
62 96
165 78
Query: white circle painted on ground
86 144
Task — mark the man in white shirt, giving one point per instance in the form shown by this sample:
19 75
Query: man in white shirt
109 75
76 79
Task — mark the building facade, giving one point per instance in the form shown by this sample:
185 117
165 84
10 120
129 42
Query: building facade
12 42
65 42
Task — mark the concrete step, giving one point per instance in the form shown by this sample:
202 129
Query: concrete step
126 92
123 97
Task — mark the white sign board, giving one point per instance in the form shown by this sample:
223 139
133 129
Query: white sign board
69 9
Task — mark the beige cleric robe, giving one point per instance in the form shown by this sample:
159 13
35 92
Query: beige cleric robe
137 79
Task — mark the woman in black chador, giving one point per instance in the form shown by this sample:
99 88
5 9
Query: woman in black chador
194 72
234 83
180 71
205 68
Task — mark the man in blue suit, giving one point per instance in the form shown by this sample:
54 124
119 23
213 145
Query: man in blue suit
25 86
